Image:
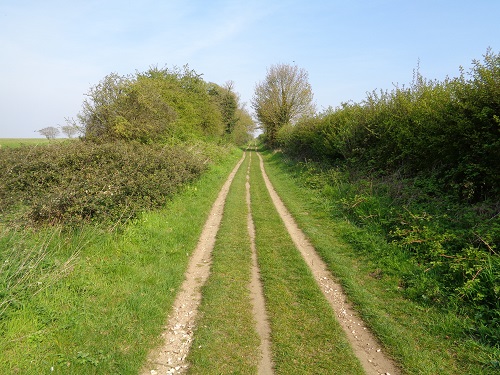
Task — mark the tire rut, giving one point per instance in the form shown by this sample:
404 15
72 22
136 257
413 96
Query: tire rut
366 347
170 358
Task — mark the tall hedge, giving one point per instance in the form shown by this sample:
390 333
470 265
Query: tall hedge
450 129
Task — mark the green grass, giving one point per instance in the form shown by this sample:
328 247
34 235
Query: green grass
106 311
226 340
18 142
423 339
105 316
306 337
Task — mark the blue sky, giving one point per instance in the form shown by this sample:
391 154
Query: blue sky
53 51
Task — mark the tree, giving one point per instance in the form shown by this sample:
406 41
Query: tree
50 132
70 130
227 102
282 98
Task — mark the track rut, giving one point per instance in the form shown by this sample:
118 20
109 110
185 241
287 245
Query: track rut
170 358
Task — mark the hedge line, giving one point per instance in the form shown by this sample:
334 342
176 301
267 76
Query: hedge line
449 129
420 164
77 181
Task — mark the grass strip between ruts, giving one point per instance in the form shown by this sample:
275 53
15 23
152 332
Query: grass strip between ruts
306 337
425 340
226 340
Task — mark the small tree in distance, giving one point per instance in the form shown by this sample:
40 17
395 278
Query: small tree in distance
50 132
282 98
69 130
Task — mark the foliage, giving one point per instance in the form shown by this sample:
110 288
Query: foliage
449 129
50 132
282 98
156 106
238 123
244 128
83 181
227 101
419 164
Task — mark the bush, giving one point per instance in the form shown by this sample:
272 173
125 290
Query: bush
154 106
448 131
80 181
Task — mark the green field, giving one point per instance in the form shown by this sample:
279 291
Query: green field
18 142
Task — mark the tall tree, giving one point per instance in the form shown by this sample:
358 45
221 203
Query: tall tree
283 97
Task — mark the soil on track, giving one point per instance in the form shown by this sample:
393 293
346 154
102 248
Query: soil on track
365 345
178 333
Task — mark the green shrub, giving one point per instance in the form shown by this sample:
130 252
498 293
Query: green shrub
154 106
84 181
452 247
448 131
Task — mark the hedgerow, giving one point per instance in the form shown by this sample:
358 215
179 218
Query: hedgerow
420 165
449 129
75 182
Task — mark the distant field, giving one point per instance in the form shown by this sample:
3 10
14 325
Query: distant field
18 142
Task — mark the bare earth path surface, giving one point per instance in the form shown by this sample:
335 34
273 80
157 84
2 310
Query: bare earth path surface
178 333
170 358
363 342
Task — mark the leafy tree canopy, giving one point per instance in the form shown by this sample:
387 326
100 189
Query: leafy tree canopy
158 105
282 98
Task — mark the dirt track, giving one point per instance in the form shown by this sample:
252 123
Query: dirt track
363 342
178 333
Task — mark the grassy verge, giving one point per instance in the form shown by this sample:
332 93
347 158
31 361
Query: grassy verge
108 311
424 339
226 340
306 336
